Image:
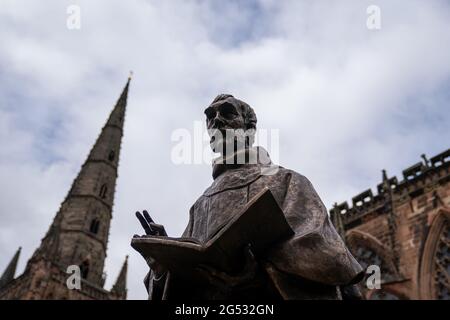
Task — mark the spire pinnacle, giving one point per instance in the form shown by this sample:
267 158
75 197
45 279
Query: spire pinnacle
426 162
118 113
384 174
120 287
10 271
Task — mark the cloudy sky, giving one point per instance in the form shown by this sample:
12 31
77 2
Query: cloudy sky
347 101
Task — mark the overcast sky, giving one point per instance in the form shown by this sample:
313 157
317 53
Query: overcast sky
348 101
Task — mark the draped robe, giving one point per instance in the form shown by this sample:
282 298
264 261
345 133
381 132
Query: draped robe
311 264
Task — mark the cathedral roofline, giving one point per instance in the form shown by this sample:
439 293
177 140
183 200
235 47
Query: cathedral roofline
414 179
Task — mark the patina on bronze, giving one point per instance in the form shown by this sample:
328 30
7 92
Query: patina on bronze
314 263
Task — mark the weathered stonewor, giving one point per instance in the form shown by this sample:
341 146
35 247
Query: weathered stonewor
404 229
79 232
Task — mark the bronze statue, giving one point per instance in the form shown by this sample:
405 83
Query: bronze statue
314 263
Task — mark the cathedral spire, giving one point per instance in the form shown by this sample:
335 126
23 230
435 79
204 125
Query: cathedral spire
79 232
115 122
120 287
78 235
10 271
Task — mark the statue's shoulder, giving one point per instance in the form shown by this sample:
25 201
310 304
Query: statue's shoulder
285 172
290 176
198 202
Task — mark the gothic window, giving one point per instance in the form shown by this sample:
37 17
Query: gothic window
442 265
435 265
366 257
95 223
84 269
111 155
103 191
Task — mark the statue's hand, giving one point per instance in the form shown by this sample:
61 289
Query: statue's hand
228 281
151 229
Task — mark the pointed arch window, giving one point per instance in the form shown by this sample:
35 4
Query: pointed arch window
112 155
103 191
84 269
93 228
435 270
367 257
368 251
442 265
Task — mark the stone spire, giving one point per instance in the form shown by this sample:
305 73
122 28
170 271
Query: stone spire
10 271
120 287
79 232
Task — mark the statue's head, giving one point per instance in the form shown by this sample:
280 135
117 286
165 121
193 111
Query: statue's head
230 119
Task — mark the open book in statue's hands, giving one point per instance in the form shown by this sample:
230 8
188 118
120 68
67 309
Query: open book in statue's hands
258 225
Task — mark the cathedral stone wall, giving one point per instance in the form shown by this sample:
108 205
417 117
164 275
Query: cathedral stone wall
405 228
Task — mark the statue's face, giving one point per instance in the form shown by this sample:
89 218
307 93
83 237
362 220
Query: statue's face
223 117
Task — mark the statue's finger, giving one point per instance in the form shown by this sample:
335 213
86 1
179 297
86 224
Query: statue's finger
144 223
159 228
147 217
156 226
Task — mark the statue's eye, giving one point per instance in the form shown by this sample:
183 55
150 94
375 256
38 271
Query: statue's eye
228 111
210 113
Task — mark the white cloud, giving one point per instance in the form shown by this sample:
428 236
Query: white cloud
348 101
